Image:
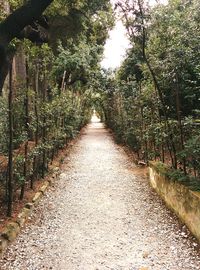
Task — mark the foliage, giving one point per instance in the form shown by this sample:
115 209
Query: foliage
154 102
151 102
56 96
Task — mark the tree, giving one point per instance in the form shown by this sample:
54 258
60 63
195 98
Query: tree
155 101
62 52
14 26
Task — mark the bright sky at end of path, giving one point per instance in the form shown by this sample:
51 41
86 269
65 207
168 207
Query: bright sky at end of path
115 47
117 43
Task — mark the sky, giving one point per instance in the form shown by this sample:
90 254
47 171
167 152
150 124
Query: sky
117 43
115 47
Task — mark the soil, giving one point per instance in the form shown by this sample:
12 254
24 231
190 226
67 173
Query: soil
29 193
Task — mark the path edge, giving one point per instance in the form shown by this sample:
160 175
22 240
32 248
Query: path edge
14 227
10 232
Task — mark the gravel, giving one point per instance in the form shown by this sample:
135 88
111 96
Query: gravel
101 215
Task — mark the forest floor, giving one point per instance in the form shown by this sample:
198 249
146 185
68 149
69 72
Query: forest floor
102 214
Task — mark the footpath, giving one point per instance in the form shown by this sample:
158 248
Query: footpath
99 215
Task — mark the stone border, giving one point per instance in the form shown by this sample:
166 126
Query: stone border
184 202
13 228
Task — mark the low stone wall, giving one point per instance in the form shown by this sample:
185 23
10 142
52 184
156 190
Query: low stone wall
180 199
12 229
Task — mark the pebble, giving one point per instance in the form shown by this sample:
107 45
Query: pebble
101 215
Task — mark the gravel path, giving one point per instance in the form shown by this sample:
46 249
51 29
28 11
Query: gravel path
101 215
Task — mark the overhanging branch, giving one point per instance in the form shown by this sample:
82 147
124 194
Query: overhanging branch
20 18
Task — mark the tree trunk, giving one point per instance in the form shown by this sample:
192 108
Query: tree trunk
11 28
44 135
35 159
26 108
157 86
178 112
10 153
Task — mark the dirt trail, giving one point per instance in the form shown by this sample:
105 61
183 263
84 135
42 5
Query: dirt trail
101 215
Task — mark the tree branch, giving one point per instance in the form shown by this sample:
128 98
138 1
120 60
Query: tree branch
20 18
14 25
